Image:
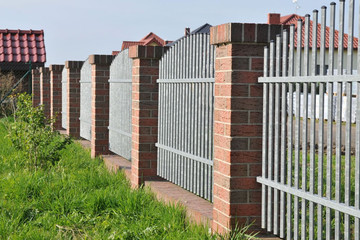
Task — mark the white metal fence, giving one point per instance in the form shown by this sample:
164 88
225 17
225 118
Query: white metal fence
85 101
120 105
186 106
310 192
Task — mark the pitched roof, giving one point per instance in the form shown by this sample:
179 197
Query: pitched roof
202 29
149 39
293 18
20 46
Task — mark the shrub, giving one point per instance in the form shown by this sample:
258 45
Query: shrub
31 133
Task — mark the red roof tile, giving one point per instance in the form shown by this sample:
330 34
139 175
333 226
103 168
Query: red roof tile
145 41
293 18
22 46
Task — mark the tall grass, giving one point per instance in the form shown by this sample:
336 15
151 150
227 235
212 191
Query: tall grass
78 198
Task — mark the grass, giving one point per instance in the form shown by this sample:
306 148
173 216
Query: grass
324 180
79 199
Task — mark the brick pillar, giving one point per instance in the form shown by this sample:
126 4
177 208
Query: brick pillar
35 87
56 94
73 98
238 122
45 90
100 73
144 112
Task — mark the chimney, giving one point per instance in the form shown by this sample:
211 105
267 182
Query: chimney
187 31
273 18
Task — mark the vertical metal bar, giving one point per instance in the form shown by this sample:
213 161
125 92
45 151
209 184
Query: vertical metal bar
206 133
297 128
357 161
211 132
305 126
330 120
178 132
339 120
290 133
264 138
277 131
207 114
208 49
357 147
321 122
271 135
202 134
175 125
312 122
158 171
348 118
283 132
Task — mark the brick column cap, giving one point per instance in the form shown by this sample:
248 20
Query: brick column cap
35 71
245 33
147 52
44 70
74 64
56 68
102 60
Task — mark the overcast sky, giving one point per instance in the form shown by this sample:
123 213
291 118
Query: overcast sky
74 29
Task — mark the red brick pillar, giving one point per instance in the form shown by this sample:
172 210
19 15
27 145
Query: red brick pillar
45 90
56 94
35 87
144 112
73 98
100 73
238 122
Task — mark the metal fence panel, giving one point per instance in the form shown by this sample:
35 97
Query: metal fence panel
186 107
120 105
322 183
64 99
85 101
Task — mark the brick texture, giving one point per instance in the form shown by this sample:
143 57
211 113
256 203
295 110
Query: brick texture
144 112
73 69
35 87
238 125
56 94
100 72
45 90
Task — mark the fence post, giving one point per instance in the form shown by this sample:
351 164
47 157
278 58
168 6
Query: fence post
45 90
73 97
35 87
144 112
55 94
100 73
238 122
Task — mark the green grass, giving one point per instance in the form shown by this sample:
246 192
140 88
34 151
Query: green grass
79 199
333 185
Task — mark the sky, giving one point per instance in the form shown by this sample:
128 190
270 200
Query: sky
75 29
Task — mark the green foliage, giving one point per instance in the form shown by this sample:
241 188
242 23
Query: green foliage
239 233
78 198
31 133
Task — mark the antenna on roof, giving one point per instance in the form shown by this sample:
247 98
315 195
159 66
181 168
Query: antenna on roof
297 6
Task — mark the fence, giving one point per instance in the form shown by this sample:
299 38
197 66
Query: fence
85 101
64 98
308 191
120 105
187 120
186 107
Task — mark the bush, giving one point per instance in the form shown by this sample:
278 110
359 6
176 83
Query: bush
31 133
